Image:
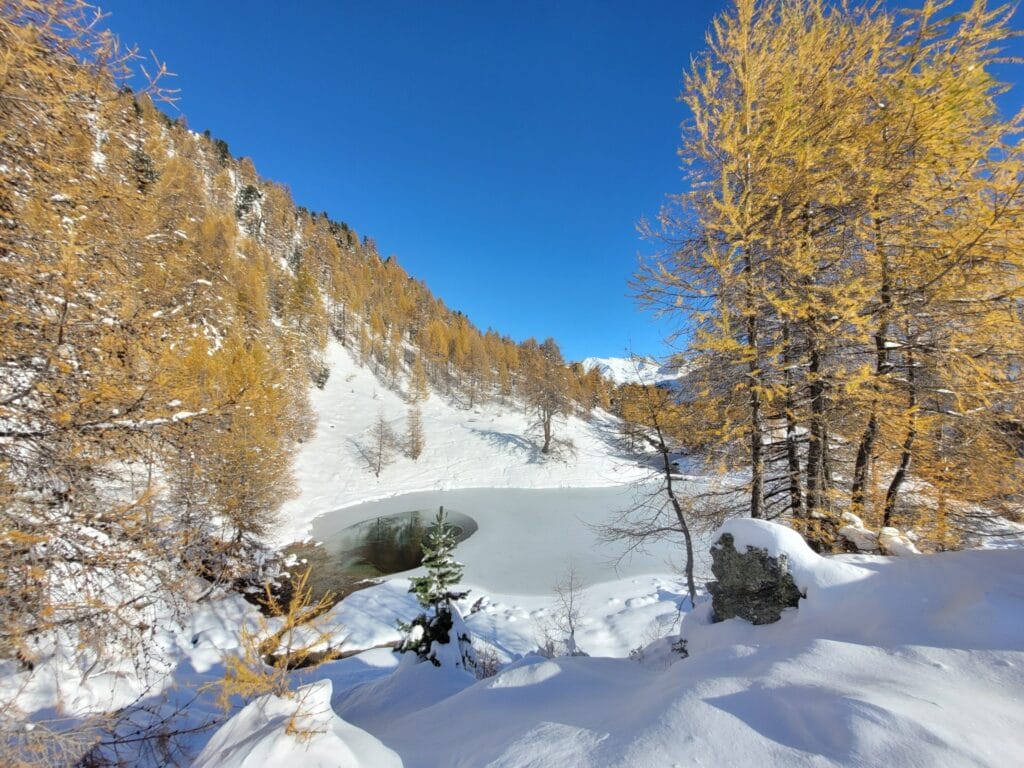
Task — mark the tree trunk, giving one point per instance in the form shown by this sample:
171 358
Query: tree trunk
756 415
546 417
883 366
860 467
816 446
680 516
892 495
796 493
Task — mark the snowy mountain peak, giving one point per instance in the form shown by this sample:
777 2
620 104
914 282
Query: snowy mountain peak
635 370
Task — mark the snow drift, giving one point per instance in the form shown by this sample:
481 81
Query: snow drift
900 661
301 730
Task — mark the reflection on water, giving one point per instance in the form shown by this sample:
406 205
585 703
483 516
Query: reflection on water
376 547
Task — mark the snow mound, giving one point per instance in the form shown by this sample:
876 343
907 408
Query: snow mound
532 674
275 731
887 661
855 532
810 570
895 542
889 540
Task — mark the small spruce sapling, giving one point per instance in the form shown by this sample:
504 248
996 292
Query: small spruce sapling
429 635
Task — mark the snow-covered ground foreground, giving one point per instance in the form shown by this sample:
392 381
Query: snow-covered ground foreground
616 616
254 735
481 447
913 661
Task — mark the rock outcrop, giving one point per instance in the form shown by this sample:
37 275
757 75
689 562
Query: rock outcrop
751 585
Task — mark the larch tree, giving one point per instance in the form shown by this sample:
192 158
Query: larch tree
419 387
81 392
544 387
847 251
653 416
380 446
415 441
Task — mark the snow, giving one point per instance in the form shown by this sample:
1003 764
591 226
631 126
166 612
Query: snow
856 533
264 734
810 571
896 661
483 447
915 661
616 616
200 642
894 542
889 540
632 370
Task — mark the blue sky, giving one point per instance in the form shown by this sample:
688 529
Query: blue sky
503 154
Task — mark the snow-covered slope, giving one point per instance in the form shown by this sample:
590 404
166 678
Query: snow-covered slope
484 446
625 370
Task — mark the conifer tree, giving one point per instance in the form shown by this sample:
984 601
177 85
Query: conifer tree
545 387
429 635
365 346
419 388
434 589
414 440
382 443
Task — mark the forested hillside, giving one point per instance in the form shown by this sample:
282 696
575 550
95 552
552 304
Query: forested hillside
164 313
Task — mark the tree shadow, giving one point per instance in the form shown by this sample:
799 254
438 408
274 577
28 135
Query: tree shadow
509 440
365 453
607 428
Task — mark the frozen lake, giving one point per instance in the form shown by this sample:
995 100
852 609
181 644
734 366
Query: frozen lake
527 538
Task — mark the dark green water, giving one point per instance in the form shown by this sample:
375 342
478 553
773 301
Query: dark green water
373 548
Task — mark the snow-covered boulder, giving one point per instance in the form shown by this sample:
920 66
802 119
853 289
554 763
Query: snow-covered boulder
297 731
857 534
890 541
751 585
810 571
894 542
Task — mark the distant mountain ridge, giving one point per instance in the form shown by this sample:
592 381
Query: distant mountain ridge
635 370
